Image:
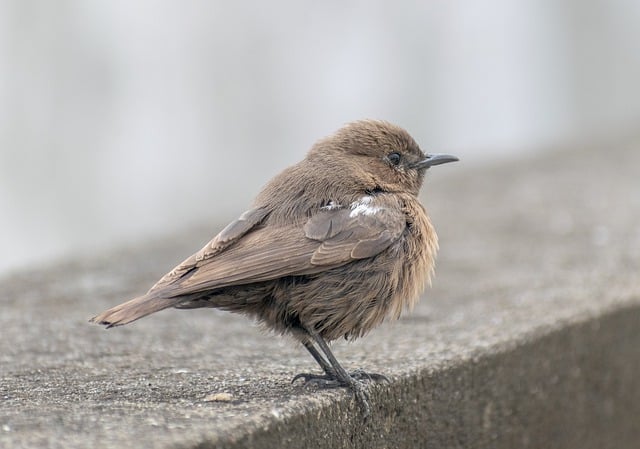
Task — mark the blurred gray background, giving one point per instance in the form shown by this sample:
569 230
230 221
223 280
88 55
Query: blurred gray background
125 120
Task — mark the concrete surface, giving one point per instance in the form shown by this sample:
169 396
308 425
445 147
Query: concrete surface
530 336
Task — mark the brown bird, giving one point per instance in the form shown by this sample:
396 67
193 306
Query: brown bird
331 246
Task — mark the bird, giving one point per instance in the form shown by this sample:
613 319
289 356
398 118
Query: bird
331 247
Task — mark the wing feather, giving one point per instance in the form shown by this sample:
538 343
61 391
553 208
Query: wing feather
230 234
329 239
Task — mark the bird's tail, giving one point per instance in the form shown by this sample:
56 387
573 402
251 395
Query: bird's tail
133 309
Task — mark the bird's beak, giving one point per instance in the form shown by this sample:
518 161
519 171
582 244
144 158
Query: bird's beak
434 159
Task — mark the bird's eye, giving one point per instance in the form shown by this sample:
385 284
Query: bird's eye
394 158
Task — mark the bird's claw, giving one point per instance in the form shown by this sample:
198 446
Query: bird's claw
330 380
362 396
363 375
356 383
319 380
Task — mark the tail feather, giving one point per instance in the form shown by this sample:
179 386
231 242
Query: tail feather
133 309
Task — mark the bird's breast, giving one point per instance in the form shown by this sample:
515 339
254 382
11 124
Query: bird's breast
414 265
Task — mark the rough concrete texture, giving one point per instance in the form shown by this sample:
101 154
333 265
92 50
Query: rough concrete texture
530 336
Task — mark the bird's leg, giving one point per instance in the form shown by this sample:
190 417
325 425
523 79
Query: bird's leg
334 374
326 367
342 376
327 379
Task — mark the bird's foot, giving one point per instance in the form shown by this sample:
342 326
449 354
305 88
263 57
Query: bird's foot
363 375
355 382
330 380
319 380
362 396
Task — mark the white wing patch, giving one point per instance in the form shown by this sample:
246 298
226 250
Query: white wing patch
331 206
363 207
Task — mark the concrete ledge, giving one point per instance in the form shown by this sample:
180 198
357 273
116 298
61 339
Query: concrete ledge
529 337
565 389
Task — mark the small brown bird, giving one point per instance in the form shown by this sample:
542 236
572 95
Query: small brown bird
331 246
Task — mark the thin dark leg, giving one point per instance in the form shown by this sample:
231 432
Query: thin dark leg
328 379
342 376
334 374
328 370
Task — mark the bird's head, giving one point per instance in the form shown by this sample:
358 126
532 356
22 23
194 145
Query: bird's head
378 154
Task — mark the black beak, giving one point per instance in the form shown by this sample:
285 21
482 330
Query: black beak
434 159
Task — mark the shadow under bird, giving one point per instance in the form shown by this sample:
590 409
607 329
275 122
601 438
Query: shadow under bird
330 247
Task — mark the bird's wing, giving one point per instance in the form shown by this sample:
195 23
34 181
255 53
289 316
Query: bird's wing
230 234
329 239
342 235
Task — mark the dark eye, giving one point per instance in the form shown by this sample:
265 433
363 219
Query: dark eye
394 158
